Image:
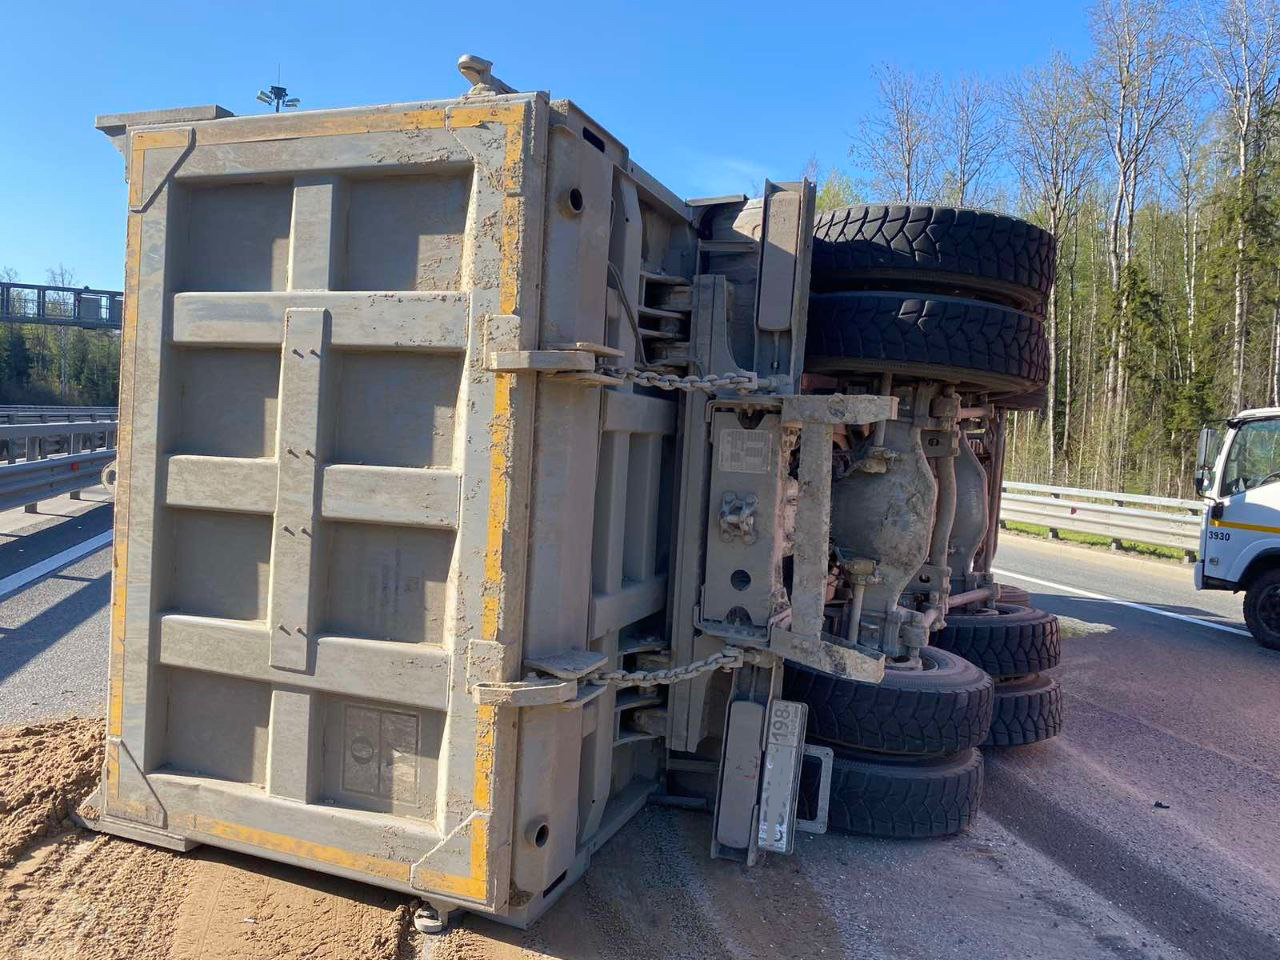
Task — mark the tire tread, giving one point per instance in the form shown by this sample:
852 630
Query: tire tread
889 719
942 331
967 243
1023 642
883 800
1026 714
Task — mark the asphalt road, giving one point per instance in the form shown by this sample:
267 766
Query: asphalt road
53 633
1159 711
1149 829
1073 857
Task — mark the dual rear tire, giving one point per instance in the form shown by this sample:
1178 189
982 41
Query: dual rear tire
943 707
1015 645
936 292
1027 710
941 294
952 251
898 797
906 763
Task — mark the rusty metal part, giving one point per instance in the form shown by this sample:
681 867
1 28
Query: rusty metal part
978 595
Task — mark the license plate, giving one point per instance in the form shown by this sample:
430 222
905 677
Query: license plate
780 775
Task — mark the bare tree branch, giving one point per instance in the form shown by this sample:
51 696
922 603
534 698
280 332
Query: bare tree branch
898 142
973 139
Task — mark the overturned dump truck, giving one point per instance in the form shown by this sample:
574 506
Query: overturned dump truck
474 490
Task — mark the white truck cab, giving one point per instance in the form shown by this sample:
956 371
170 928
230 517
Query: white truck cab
1238 474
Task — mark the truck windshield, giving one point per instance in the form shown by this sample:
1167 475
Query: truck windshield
1254 458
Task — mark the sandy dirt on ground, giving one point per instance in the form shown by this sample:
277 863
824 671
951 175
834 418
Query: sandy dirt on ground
68 893
659 894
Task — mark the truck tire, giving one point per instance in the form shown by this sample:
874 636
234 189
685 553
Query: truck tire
1012 642
1262 608
971 253
991 347
1027 710
897 797
940 709
1014 596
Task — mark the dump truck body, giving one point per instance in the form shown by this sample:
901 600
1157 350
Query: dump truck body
431 415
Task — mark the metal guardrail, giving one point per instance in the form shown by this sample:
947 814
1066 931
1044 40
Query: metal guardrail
21 413
27 483
61 457
1105 513
82 432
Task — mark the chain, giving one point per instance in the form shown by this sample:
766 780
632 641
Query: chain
742 382
729 657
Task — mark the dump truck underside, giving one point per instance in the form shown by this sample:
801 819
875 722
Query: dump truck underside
474 490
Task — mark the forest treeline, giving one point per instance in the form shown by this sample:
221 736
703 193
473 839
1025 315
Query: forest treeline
1155 163
42 364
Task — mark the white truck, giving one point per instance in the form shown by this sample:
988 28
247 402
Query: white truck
1238 474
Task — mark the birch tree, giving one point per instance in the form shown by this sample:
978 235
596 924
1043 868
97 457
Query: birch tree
898 141
972 139
1134 81
1184 173
1053 153
1239 42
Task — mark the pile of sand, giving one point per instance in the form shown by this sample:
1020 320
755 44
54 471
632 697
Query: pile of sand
45 771
70 893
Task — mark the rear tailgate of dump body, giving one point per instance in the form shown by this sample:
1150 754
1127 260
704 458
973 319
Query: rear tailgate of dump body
324 493
394 489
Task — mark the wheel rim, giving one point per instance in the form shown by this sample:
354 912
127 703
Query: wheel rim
1269 609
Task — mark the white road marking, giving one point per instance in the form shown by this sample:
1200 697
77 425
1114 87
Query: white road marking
16 581
1125 603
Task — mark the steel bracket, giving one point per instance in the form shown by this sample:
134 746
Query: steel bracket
940 443
823 653
577 362
838 408
932 580
534 692
540 361
826 757
569 665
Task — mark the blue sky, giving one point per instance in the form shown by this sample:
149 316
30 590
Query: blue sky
710 97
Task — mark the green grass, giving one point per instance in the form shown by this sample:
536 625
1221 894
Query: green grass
1092 540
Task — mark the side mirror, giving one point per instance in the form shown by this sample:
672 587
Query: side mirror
1207 442
1204 444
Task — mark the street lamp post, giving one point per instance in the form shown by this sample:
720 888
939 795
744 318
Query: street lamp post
277 96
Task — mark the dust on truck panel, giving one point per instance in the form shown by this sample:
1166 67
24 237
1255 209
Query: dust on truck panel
340 520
